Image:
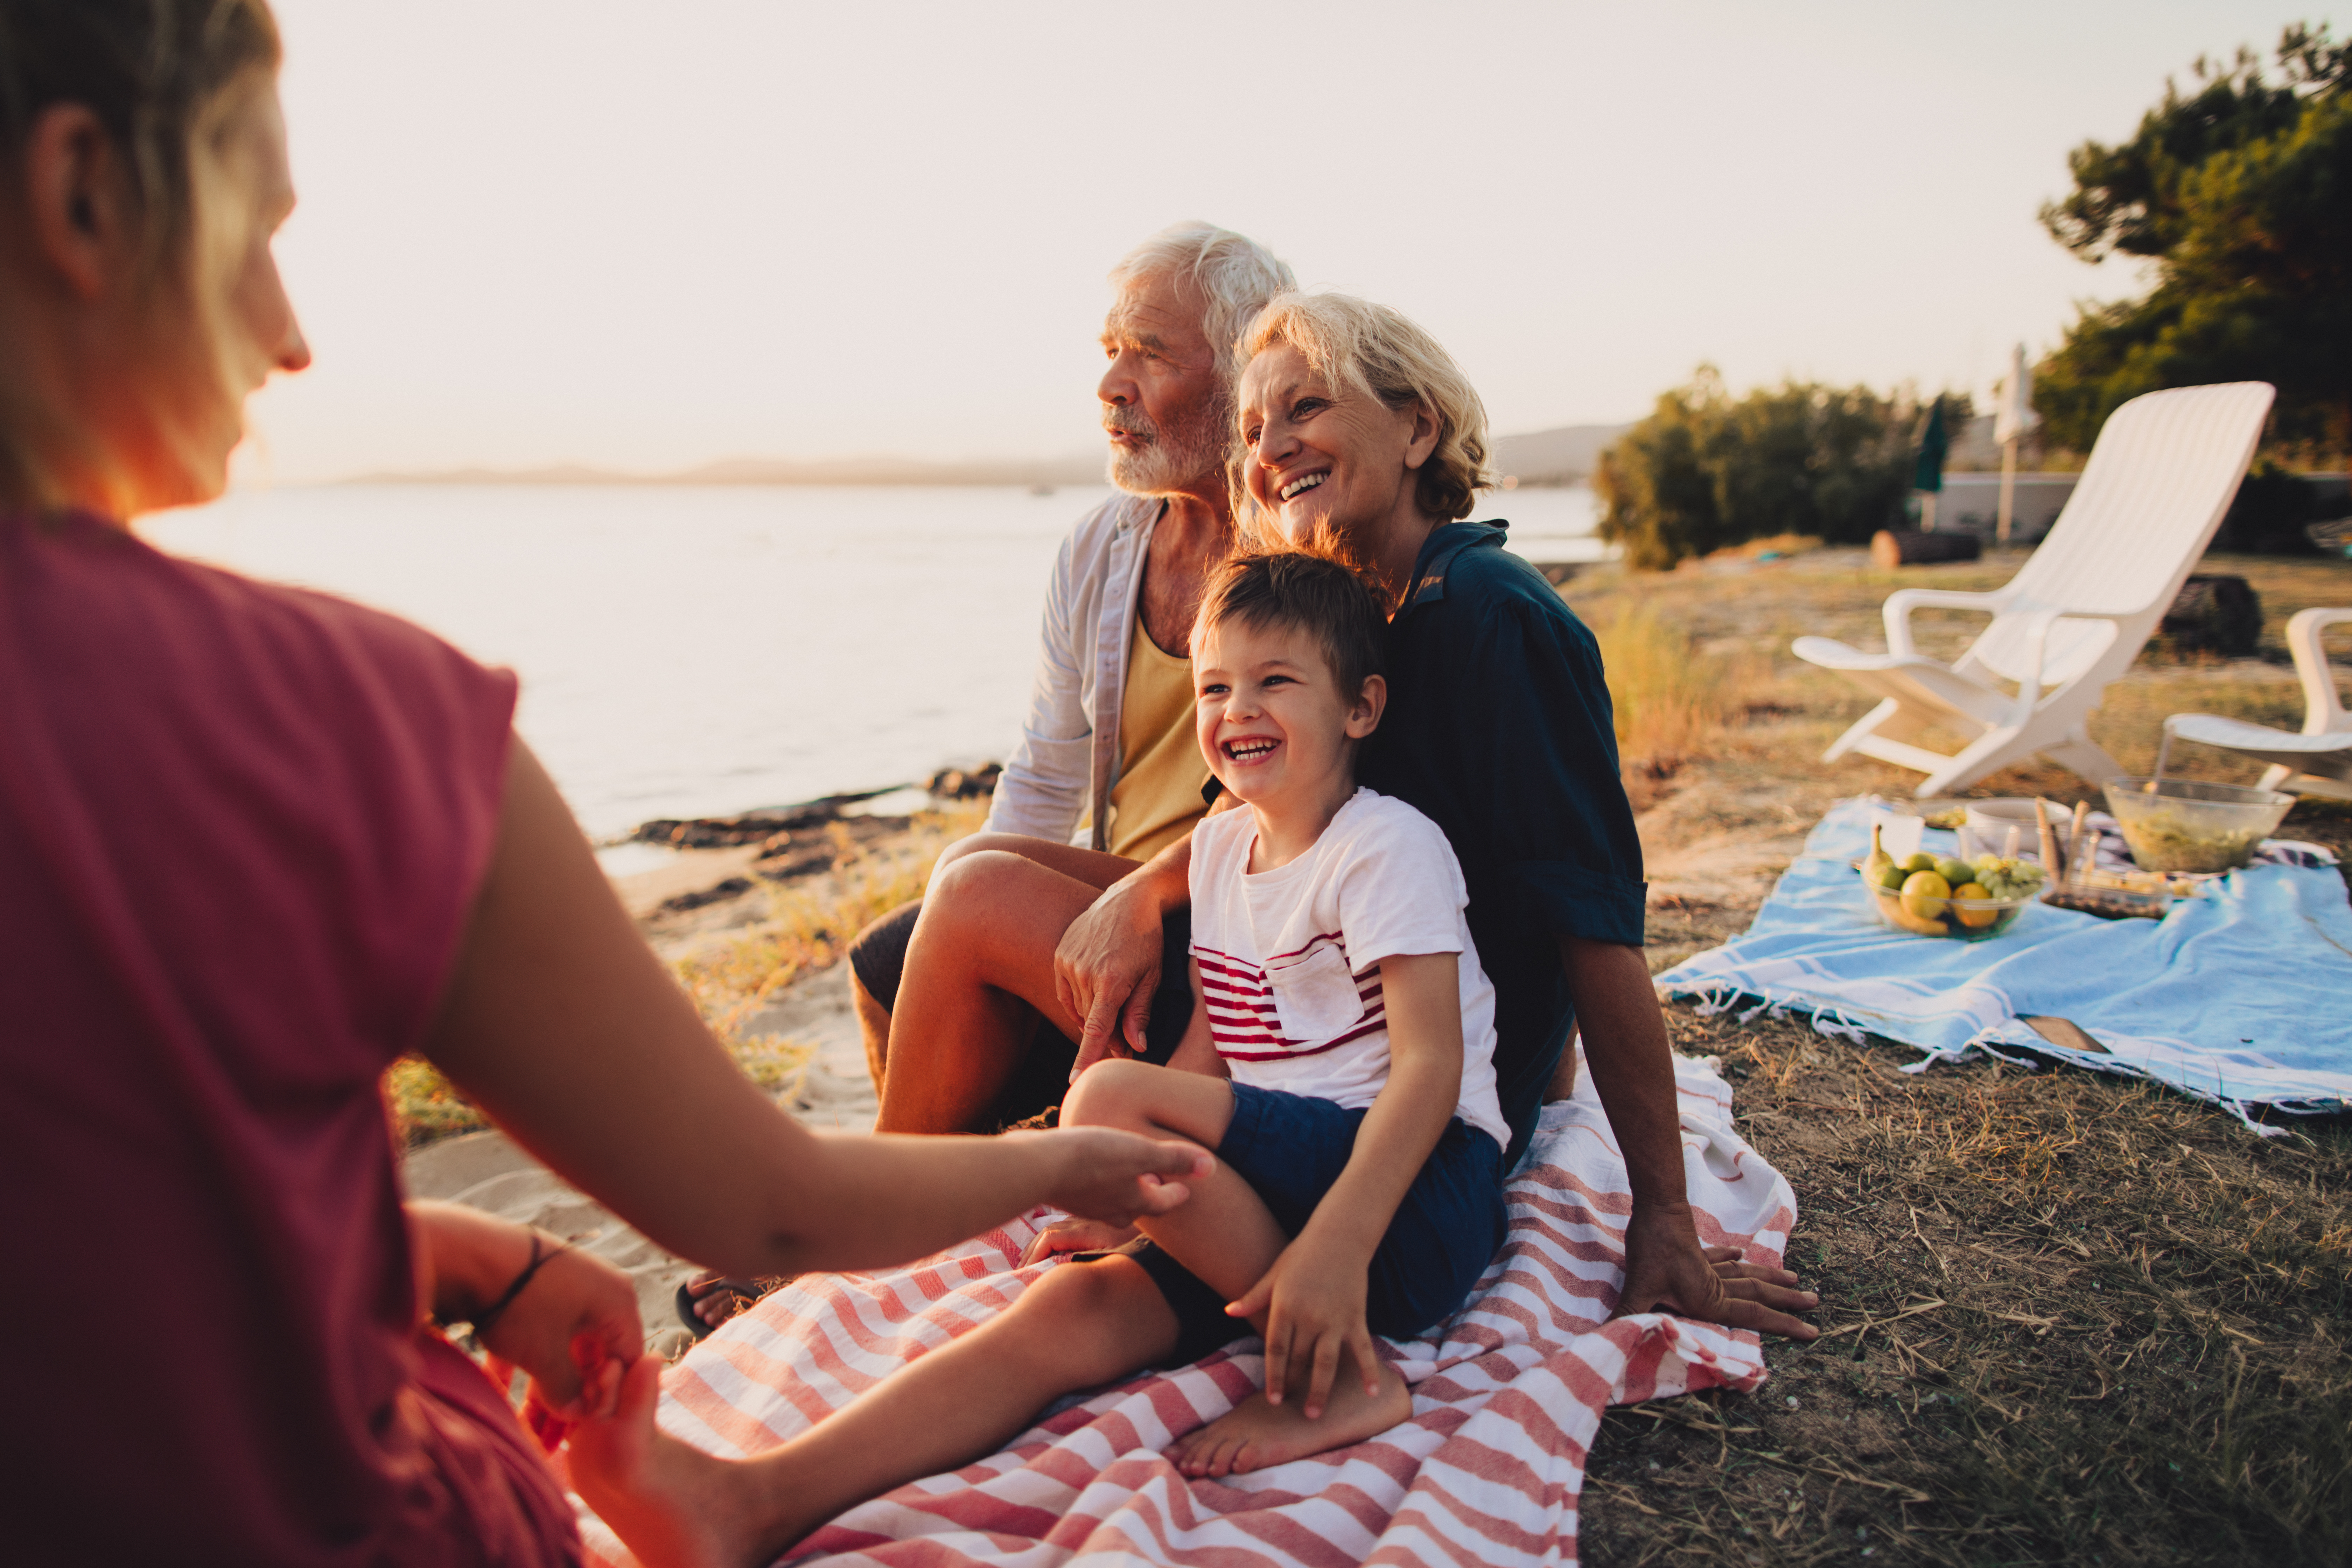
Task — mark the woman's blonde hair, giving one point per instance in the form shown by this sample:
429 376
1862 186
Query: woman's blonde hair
1372 349
149 70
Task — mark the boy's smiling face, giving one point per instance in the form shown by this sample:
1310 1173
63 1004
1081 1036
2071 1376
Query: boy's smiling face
1271 722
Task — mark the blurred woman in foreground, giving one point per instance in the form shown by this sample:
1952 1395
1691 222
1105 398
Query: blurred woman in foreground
253 844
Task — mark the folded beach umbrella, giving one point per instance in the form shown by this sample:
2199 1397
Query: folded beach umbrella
1928 470
2011 421
2015 417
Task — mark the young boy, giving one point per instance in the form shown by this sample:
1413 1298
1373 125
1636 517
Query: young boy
1339 992
1339 1065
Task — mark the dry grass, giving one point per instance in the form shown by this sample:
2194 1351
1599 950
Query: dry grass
806 926
809 923
2086 1320
1672 697
2072 1320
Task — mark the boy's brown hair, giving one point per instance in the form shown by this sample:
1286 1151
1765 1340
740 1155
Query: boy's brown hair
1316 594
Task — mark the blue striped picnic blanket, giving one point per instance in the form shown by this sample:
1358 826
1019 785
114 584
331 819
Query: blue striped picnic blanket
2242 996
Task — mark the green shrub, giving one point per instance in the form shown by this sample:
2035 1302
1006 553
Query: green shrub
2239 192
1704 472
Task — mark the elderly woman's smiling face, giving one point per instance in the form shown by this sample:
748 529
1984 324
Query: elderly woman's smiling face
1320 451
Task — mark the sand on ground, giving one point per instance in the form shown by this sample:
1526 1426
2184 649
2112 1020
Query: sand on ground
487 1170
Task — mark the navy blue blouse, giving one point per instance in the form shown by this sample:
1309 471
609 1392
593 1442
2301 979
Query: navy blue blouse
1498 729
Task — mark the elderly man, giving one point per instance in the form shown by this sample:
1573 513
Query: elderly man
1106 772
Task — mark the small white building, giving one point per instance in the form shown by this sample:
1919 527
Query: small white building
1971 503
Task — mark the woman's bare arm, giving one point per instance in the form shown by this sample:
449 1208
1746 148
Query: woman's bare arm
563 1027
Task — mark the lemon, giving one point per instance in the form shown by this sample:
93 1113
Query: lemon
1975 919
1897 916
1955 871
1925 895
1893 878
1922 861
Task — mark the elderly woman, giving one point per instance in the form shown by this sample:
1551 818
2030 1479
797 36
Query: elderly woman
1361 438
1359 430
256 843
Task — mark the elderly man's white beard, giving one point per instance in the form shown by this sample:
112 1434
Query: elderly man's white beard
1176 456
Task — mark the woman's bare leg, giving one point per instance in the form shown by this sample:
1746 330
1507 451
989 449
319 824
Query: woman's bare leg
980 971
1227 1237
1081 1326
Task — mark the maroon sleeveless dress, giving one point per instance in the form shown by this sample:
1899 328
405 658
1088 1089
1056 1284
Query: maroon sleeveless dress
241 827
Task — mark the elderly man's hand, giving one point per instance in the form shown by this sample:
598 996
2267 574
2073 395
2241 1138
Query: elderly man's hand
1107 968
1667 1268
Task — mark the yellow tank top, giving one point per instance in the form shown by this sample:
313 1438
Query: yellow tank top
1160 770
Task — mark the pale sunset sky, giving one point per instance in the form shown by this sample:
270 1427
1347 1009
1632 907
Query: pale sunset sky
647 236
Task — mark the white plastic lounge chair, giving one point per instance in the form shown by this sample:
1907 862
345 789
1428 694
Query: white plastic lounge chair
2072 621
2318 761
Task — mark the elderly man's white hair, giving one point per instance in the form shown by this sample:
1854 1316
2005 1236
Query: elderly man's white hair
1236 277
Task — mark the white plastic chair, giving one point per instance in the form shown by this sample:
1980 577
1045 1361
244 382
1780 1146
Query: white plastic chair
2318 761
2072 619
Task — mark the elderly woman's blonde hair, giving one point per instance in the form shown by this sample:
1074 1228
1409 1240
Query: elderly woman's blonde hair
1372 349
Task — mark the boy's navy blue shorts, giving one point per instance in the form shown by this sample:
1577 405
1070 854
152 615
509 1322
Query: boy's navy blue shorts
1290 1149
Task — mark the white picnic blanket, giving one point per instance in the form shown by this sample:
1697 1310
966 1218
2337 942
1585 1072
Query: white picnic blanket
1507 1393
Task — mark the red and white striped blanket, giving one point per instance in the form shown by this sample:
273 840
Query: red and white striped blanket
1507 1393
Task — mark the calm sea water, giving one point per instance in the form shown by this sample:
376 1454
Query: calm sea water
702 650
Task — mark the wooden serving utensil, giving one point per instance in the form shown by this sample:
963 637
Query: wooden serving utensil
2053 867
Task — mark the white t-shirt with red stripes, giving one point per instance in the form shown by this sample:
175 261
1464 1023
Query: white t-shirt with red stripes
1290 959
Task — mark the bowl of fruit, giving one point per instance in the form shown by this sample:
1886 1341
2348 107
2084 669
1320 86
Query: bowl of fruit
2178 824
1940 894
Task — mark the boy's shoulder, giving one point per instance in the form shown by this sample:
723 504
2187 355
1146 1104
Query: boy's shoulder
1373 822
1216 831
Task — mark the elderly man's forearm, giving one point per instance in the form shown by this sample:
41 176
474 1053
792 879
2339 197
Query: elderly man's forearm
1166 877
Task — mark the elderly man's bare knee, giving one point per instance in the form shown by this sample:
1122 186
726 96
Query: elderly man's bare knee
979 843
969 894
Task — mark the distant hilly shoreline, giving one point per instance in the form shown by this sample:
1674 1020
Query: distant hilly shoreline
1563 456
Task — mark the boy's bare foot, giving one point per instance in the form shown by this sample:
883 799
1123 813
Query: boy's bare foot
675 1506
1255 1435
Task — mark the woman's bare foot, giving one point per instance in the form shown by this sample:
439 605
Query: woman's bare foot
1255 1435
675 1506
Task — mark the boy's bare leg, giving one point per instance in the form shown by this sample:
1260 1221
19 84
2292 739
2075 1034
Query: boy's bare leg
1083 1325
1255 1435
1225 1235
